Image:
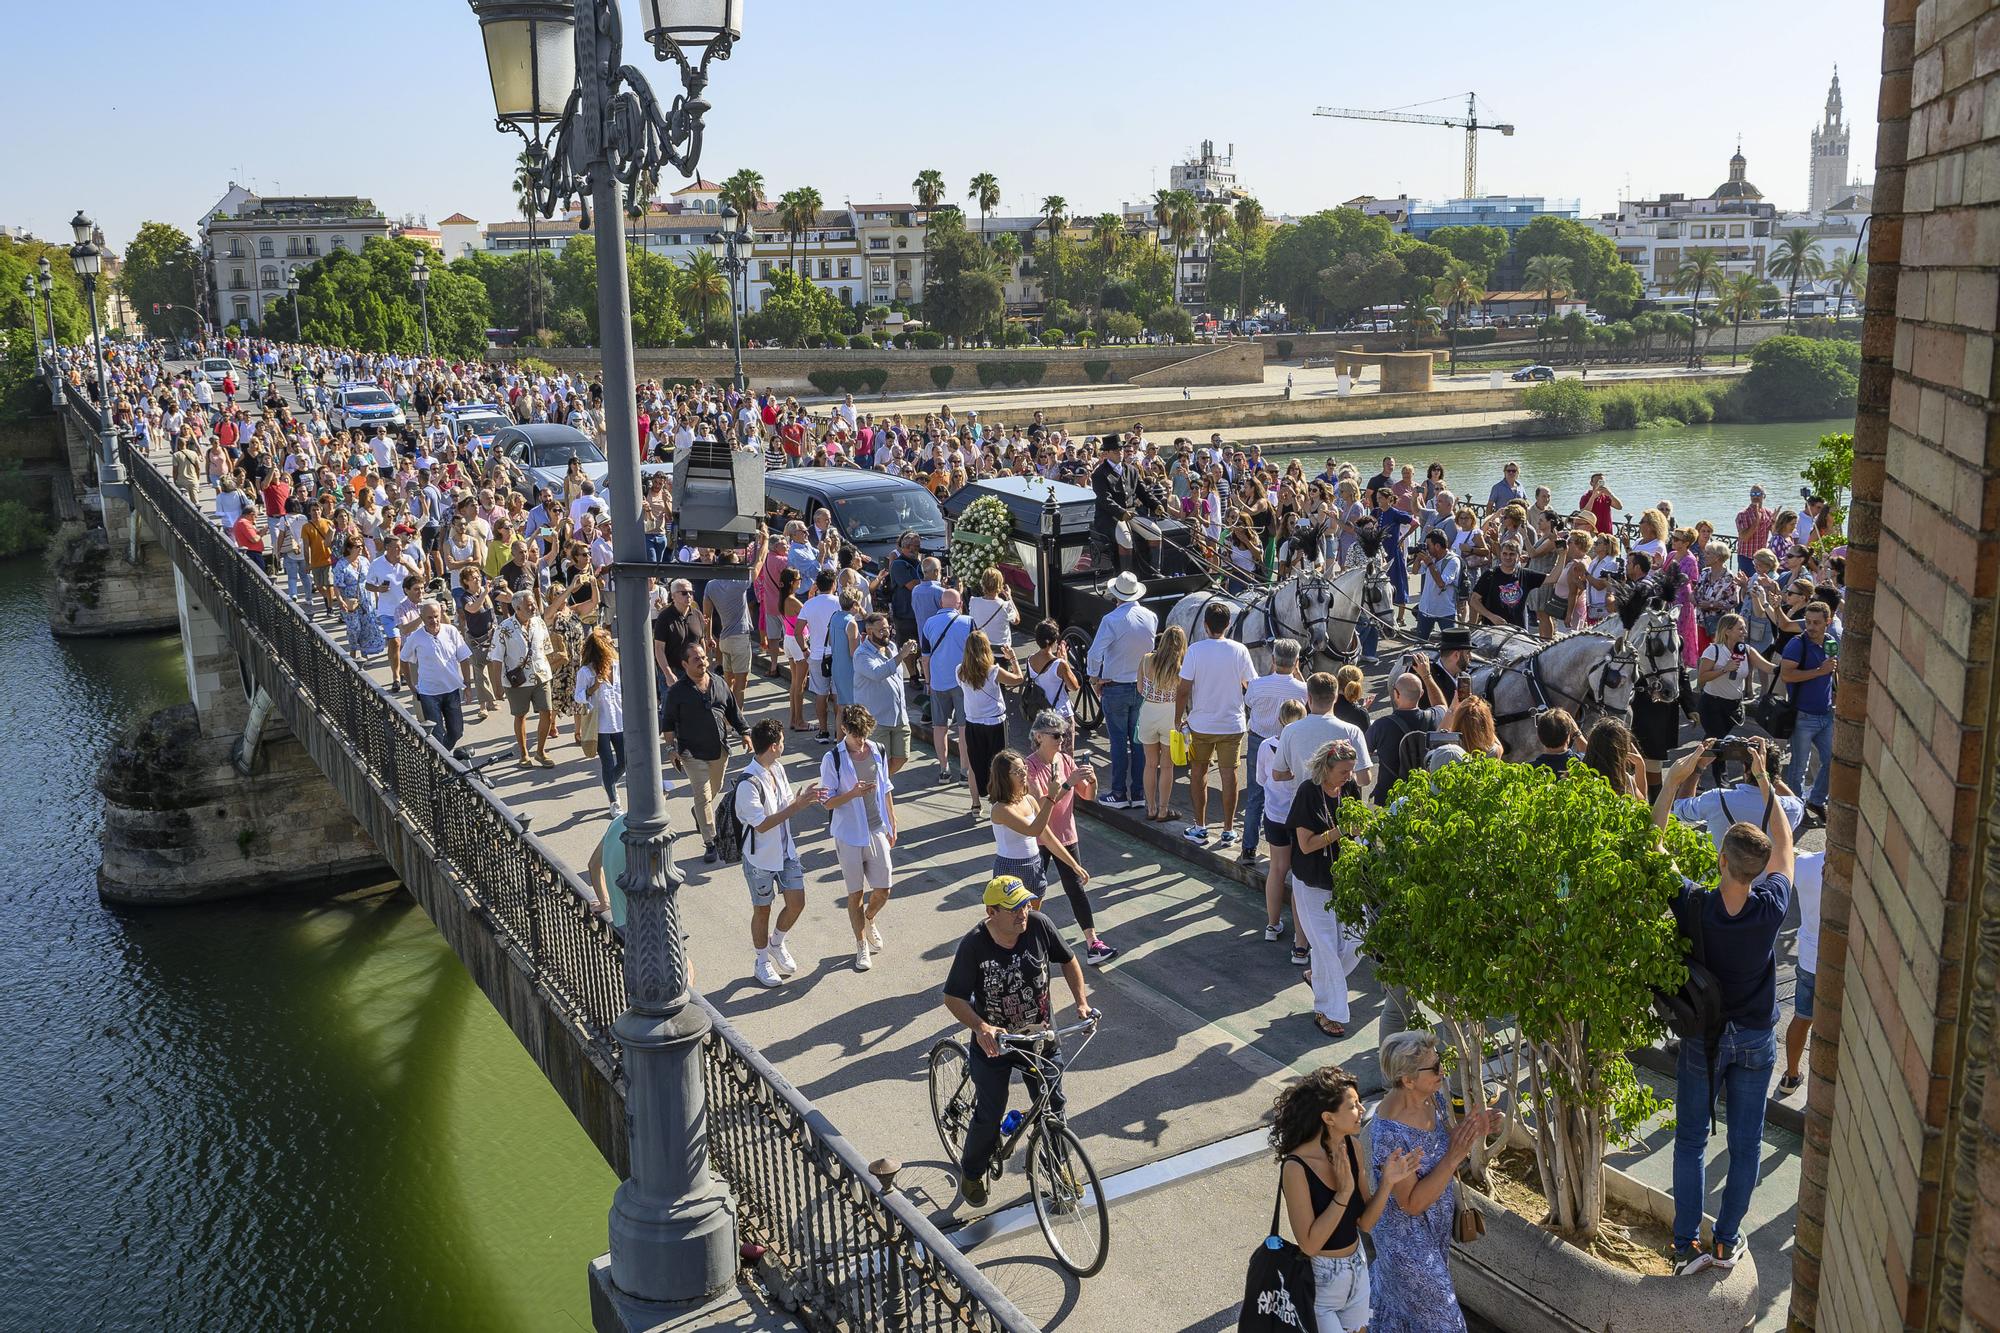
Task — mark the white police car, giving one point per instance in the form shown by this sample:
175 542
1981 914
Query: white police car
363 407
473 425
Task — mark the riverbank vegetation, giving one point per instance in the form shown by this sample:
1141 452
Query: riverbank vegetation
1790 379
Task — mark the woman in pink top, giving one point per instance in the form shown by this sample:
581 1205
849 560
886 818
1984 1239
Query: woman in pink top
770 558
1680 552
1048 770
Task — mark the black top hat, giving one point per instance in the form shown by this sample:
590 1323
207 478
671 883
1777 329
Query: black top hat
1454 640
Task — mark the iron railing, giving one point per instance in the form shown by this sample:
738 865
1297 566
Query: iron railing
848 1247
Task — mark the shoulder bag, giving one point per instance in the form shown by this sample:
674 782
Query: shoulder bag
1278 1287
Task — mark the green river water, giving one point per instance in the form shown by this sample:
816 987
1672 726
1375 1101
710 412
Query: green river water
289 1115
257 1115
1705 470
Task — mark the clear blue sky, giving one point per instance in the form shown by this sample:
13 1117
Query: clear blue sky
1091 101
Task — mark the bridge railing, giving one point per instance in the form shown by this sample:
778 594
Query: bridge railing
855 1254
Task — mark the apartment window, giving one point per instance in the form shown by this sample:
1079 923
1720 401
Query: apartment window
826 268
880 294
847 296
846 268
878 242
902 273
1697 231
763 270
340 242
242 309
878 273
1735 230
312 245
269 276
902 242
265 247
236 278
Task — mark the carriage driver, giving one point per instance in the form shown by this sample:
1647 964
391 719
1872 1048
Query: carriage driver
1442 673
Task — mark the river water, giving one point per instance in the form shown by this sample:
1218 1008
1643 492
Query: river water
255 1115
1706 471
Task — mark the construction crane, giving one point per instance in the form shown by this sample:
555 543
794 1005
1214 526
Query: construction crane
1469 122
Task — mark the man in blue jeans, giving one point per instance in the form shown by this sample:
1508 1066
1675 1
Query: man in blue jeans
1123 639
1437 591
1737 923
1807 666
1262 700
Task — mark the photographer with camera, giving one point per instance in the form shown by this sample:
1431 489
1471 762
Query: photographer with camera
1722 806
1437 572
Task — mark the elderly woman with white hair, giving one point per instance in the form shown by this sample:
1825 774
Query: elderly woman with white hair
1410 1282
1316 835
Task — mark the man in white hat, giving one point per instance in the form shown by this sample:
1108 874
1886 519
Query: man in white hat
1123 638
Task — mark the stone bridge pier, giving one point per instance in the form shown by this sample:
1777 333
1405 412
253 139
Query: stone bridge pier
109 576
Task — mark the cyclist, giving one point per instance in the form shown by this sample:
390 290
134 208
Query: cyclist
999 983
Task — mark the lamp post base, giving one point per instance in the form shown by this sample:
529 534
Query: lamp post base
742 1308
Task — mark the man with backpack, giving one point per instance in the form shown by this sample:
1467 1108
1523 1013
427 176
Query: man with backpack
763 804
1727 1013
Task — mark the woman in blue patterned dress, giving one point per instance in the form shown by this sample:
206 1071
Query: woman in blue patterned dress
357 602
1410 1282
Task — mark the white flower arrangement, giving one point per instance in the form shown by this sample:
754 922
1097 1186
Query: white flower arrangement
978 539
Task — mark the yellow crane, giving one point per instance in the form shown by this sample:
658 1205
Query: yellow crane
1469 122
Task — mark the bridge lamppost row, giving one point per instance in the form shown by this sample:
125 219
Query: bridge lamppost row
292 289
555 67
28 295
420 274
48 277
88 262
734 234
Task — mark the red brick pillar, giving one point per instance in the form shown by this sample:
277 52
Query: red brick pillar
1899 1205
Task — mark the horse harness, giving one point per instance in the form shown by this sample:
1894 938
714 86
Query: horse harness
1606 676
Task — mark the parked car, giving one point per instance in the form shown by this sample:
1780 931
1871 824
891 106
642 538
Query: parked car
870 509
364 407
542 451
1536 373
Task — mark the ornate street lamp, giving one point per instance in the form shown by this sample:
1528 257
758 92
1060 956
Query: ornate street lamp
34 315
555 67
420 274
48 280
88 262
292 288
735 235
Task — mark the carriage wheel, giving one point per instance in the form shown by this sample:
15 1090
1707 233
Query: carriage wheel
1089 712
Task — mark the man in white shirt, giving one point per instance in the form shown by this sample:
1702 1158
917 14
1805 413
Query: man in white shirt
1208 706
1807 872
382 448
1303 739
858 794
1266 695
814 617
440 657
765 802
386 573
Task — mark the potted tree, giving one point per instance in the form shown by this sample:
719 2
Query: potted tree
1529 915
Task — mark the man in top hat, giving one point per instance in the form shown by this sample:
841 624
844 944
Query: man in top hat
1442 673
1124 636
1114 501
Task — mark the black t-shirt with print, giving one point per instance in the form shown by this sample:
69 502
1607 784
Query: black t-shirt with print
1506 595
1008 988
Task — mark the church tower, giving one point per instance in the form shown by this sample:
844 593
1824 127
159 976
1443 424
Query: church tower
1829 153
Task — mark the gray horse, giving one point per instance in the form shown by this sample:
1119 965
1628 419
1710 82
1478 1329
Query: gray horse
1593 673
1295 609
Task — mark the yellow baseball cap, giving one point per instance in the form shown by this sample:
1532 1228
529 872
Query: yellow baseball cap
1007 892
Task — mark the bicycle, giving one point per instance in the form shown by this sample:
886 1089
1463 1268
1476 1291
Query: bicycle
1069 1200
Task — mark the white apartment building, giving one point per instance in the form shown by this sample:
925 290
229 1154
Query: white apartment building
1655 235
828 254
252 243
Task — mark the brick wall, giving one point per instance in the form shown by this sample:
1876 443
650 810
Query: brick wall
1899 1207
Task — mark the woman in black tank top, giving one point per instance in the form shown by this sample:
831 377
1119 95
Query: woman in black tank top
1326 1194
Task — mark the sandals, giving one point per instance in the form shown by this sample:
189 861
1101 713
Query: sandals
1328 1026
1790 1083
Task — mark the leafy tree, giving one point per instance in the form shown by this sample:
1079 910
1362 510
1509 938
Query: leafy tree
1458 288
1248 217
1700 269
929 187
1597 274
1480 249
365 299
798 211
1299 254
514 285
1795 257
1171 321
1179 216
985 192
1575 886
1107 232
961 296
794 310
21 259
1122 325
1802 378
1006 252
162 268
1358 281
1830 473
1055 211
743 191
654 282
1550 275
1564 407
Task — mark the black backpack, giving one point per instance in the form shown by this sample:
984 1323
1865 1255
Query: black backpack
732 835
1694 1012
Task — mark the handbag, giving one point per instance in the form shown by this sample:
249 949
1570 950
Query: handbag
1776 713
586 731
1278 1286
1467 1223
1177 747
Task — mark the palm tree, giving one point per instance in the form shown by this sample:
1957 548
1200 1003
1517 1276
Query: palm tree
1549 275
930 187
1850 272
1795 256
985 192
526 168
1180 218
1107 230
1456 290
1249 216
1742 294
1214 227
1055 211
744 192
798 210
639 201
1699 269
703 286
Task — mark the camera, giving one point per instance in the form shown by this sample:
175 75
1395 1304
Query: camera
1736 750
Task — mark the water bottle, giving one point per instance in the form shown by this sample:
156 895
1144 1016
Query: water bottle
1010 1122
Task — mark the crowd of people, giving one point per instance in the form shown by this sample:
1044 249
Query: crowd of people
478 589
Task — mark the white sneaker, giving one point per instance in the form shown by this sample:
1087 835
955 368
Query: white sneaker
782 957
767 974
862 962
875 938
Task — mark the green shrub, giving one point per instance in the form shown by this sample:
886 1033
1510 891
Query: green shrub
1016 336
1123 324
941 376
868 380
926 340
875 377
1096 370
1284 349
861 341
1054 337
902 341
1564 406
232 330
1087 338
1170 321
22 530
1800 378
532 365
1007 374
1477 337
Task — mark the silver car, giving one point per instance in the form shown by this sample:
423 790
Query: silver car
542 452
